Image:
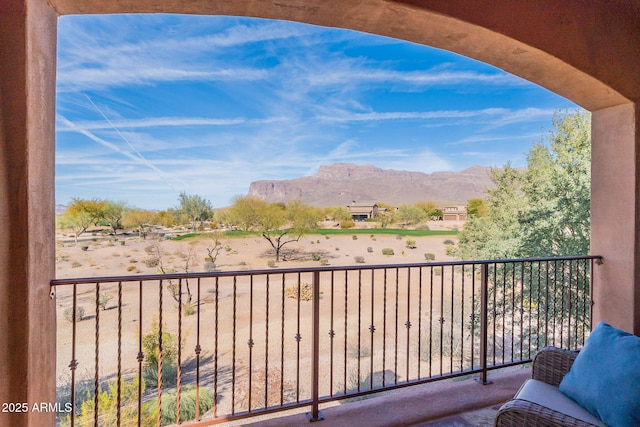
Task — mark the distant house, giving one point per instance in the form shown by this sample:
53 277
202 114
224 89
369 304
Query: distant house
361 212
454 213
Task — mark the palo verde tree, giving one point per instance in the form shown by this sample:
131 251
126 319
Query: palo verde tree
112 213
80 215
195 208
279 225
139 219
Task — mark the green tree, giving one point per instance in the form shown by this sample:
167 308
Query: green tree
543 210
195 208
339 213
429 207
80 215
113 214
140 219
410 214
477 207
279 226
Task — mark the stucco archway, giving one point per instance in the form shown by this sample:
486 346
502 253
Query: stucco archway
588 55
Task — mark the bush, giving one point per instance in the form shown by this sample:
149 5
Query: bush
151 262
103 300
209 266
449 242
271 263
370 249
79 315
316 256
168 408
387 251
354 237
150 347
429 256
359 259
450 250
131 267
411 244
84 248
347 224
305 293
324 261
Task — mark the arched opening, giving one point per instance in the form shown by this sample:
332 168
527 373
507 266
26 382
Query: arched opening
588 56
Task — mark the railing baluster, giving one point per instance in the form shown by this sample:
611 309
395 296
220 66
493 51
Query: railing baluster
372 328
158 418
96 388
216 347
119 376
197 351
179 367
266 344
140 353
315 414
484 297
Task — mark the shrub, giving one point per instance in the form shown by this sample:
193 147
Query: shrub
387 251
347 224
151 262
411 244
69 316
398 237
316 256
103 300
84 248
449 242
450 250
188 309
305 293
370 249
359 259
324 261
75 264
131 267
271 263
150 347
108 401
168 410
429 256
209 266
354 237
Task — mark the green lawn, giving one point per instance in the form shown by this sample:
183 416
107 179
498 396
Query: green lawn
325 232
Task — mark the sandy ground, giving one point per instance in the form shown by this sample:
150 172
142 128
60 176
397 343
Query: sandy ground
245 325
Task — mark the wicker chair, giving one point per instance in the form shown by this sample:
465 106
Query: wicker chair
549 366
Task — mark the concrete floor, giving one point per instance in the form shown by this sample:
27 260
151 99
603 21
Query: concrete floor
459 403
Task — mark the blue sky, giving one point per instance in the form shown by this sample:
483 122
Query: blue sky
152 105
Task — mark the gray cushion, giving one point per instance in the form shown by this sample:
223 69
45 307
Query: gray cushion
546 395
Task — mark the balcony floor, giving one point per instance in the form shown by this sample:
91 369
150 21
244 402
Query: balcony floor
459 403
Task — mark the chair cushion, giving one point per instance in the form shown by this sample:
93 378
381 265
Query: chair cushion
546 395
605 377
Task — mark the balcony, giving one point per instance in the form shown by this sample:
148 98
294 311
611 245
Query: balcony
224 346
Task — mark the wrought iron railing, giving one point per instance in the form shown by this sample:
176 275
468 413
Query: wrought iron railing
226 345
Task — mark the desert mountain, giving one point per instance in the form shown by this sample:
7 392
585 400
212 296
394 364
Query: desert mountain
343 183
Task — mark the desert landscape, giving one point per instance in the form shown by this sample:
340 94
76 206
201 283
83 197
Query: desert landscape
252 327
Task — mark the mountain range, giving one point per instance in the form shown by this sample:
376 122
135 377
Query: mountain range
346 183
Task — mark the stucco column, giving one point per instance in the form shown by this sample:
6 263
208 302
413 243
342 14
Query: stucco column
27 110
615 211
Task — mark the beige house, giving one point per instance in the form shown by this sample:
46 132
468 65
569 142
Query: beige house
361 212
454 213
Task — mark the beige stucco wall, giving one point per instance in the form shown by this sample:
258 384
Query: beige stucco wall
587 54
27 314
